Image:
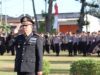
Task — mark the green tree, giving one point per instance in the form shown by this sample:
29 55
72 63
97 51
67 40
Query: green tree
95 11
48 16
85 4
5 27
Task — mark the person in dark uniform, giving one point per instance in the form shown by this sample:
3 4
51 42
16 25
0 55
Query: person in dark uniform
57 41
70 44
29 50
10 48
2 44
47 43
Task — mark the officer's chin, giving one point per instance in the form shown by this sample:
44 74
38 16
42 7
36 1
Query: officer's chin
25 31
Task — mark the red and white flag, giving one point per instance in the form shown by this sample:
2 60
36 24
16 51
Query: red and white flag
55 25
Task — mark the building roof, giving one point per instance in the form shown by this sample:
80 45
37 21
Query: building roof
68 15
62 15
40 17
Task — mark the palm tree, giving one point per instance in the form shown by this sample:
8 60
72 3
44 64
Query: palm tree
49 16
36 22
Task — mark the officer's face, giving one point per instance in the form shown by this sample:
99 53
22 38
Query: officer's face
27 26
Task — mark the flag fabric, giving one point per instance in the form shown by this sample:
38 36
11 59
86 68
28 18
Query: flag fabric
55 25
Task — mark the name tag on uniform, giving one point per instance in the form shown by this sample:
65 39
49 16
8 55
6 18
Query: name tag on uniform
32 40
0 42
18 46
70 40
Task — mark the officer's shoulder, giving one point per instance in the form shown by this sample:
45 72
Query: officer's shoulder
36 34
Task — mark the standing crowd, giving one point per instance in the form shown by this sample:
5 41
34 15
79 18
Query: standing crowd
75 43
84 43
5 44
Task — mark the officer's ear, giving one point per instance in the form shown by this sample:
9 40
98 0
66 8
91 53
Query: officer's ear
34 28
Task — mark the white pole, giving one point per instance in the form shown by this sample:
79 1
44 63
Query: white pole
1 11
5 14
23 8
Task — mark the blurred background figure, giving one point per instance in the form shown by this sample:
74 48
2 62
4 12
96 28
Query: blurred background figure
2 44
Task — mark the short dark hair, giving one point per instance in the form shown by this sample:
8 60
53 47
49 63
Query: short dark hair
28 19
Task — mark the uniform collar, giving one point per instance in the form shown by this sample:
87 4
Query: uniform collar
28 37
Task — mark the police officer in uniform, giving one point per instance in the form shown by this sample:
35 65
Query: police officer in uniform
70 44
2 44
57 42
29 50
84 43
10 47
47 43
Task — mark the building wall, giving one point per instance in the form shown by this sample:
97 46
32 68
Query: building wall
68 28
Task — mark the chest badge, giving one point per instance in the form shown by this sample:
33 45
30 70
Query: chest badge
33 39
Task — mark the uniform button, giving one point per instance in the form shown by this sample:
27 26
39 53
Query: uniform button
24 43
22 60
18 46
22 54
31 60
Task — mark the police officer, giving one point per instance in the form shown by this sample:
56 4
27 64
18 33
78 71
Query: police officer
84 43
10 47
29 50
70 43
47 43
75 43
2 44
57 42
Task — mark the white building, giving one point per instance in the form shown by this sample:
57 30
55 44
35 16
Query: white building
94 24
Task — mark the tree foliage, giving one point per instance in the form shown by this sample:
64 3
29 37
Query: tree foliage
48 16
84 67
5 27
95 11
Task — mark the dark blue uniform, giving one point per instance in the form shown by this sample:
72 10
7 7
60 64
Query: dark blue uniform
2 45
29 53
10 48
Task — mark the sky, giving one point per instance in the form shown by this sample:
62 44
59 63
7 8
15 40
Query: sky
15 8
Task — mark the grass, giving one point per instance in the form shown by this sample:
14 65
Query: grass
59 65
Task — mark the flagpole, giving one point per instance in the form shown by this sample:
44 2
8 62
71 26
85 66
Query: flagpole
45 6
23 8
5 14
1 12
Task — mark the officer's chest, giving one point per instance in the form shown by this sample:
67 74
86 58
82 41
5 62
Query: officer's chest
27 45
31 42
